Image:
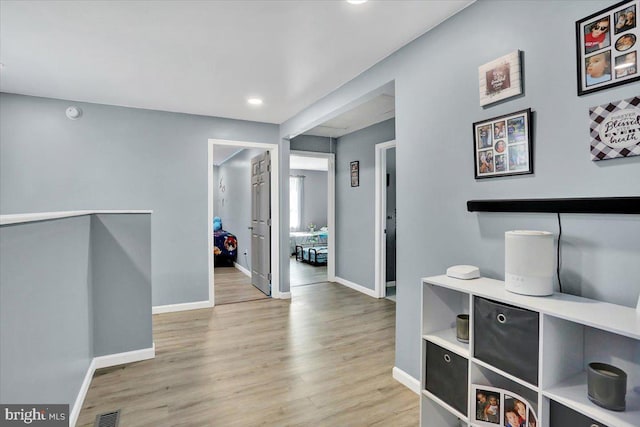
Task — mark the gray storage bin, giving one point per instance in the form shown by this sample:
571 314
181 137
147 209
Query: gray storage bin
506 337
561 416
446 376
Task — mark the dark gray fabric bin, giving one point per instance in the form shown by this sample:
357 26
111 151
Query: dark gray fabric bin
446 376
561 416
506 337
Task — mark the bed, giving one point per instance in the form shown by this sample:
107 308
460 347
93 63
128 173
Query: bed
225 248
314 255
306 238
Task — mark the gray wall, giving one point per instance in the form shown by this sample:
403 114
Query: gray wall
355 206
236 211
314 205
70 289
121 158
437 100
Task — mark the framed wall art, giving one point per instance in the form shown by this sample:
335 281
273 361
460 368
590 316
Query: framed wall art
503 145
500 78
615 129
355 174
607 47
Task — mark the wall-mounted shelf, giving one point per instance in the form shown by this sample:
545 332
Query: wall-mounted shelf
587 205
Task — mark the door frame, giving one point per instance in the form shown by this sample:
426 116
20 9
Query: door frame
380 217
275 211
331 206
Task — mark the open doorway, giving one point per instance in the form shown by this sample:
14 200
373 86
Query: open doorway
385 220
231 222
312 215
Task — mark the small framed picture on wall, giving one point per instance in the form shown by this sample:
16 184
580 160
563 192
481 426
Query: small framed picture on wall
607 47
500 79
502 146
355 173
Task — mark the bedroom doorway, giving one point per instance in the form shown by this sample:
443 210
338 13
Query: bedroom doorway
229 202
385 220
312 217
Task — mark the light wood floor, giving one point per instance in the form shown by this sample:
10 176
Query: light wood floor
301 273
323 358
231 286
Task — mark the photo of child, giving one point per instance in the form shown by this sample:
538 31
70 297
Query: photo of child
484 137
596 35
516 130
488 406
500 163
485 161
498 130
625 42
500 146
532 421
626 65
517 157
598 68
515 412
625 19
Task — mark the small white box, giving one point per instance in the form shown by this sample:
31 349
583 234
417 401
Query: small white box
465 272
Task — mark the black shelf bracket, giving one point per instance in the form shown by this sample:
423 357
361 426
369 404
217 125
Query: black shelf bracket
587 205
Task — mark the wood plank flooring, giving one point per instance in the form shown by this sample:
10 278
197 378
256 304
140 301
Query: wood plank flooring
323 358
301 273
231 286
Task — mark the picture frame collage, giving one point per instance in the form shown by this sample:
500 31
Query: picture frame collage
503 145
607 47
498 407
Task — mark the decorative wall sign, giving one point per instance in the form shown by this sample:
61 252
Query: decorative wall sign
615 129
499 407
607 47
503 146
500 79
355 174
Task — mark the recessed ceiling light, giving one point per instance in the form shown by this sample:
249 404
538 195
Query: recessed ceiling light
356 1
254 101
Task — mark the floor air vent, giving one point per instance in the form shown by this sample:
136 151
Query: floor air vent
108 419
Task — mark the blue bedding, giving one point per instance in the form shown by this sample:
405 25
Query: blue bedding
225 246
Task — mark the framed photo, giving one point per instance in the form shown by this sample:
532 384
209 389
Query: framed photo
500 78
607 47
355 174
503 145
615 129
499 407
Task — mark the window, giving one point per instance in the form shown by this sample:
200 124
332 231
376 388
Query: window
296 185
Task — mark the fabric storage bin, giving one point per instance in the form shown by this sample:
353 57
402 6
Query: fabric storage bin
560 415
447 376
506 337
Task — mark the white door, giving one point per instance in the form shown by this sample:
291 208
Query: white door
261 223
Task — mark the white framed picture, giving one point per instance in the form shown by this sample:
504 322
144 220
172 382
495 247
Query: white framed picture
500 79
499 407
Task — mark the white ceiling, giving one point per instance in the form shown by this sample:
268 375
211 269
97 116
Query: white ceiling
203 57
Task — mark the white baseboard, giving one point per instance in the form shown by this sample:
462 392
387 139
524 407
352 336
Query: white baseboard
242 269
104 362
126 357
406 380
285 295
181 307
355 286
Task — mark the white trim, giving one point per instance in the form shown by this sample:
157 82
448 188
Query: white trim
331 207
82 394
406 380
380 217
242 269
355 286
43 216
125 357
104 362
285 295
170 308
275 211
